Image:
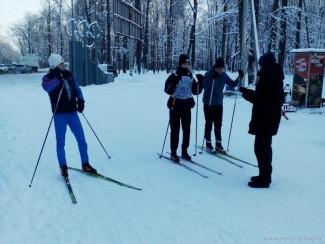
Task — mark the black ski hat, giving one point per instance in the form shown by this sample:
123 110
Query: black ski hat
183 58
267 59
220 63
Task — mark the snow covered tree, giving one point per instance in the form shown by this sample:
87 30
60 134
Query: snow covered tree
202 29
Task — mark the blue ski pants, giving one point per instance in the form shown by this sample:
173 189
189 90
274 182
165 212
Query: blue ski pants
61 121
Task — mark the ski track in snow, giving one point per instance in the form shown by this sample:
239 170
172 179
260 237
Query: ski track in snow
175 205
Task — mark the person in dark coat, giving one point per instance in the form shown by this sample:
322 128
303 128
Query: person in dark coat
180 86
66 99
267 102
213 84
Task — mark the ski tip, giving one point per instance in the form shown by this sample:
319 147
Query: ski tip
30 186
109 157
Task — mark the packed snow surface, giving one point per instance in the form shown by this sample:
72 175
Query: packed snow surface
175 205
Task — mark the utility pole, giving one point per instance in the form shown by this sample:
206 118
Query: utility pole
243 33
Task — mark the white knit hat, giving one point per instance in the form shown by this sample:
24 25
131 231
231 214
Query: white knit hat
55 60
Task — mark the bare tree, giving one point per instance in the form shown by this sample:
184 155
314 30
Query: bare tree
273 27
146 37
251 54
298 28
169 43
108 33
283 33
7 53
49 29
224 33
191 47
172 27
138 42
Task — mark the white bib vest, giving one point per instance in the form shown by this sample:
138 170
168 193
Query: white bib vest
184 88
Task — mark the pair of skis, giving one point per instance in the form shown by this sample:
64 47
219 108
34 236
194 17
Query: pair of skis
99 176
227 157
182 164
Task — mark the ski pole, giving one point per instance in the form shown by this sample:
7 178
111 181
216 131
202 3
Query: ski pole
208 115
232 119
48 129
197 111
162 150
170 111
96 136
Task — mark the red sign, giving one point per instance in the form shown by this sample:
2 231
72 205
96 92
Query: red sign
308 79
302 64
317 64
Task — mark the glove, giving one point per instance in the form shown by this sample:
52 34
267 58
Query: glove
241 74
81 105
199 77
56 72
244 95
66 74
214 75
190 75
242 89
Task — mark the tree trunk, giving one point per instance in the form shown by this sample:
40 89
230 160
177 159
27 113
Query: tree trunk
271 44
138 42
108 34
216 35
224 33
49 37
125 59
169 44
252 54
307 30
154 44
191 47
87 14
242 37
283 33
298 28
146 38
117 52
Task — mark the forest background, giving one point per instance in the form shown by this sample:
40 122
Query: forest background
203 29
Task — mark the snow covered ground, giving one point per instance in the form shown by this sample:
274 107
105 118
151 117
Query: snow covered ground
175 206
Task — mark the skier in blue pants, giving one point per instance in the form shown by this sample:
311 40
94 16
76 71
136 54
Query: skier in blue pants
66 99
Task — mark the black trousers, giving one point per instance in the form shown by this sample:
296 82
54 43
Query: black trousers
263 152
178 116
213 116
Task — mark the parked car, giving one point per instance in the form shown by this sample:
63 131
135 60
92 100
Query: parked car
3 68
10 67
21 68
31 60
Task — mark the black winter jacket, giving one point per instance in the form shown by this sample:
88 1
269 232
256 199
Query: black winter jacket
171 84
53 83
267 100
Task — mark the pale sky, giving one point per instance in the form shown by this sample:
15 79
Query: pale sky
12 11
